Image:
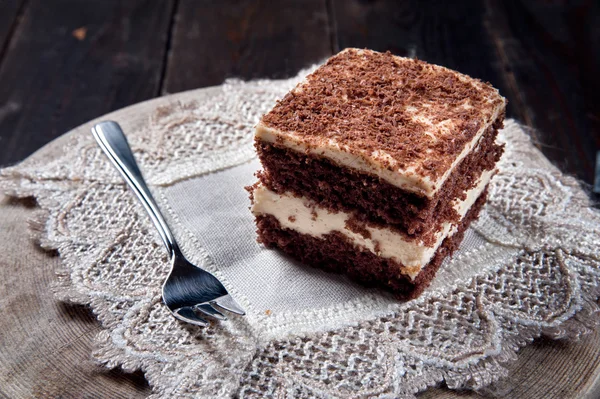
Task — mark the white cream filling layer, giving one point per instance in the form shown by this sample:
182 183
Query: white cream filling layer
300 215
372 163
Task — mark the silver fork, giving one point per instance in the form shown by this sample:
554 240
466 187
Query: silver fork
189 292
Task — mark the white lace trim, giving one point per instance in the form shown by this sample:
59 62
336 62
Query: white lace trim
542 252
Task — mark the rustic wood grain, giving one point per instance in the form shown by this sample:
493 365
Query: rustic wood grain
247 39
551 53
45 345
451 34
546 369
71 61
9 19
543 56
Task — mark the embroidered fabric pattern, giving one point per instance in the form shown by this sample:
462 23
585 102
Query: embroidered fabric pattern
533 269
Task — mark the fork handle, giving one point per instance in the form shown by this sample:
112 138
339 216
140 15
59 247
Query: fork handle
113 142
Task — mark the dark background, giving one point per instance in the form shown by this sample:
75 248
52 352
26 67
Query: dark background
64 62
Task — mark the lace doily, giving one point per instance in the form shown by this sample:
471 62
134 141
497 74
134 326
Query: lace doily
528 267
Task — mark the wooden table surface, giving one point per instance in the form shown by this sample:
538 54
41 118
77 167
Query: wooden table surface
64 62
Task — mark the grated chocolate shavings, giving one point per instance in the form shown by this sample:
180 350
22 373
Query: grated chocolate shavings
421 115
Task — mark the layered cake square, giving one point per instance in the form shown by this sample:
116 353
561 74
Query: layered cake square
375 165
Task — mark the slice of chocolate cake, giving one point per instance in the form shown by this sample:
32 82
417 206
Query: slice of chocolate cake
375 165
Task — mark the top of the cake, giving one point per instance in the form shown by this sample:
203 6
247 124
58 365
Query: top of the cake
411 120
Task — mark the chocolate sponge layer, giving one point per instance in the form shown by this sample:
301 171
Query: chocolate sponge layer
370 198
333 252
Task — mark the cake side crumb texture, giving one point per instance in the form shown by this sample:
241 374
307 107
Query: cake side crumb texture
398 113
335 254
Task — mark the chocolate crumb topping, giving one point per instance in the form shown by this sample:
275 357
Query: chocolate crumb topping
400 113
357 227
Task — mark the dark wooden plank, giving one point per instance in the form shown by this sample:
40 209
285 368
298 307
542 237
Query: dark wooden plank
9 12
248 39
46 345
71 61
452 34
552 53
543 56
